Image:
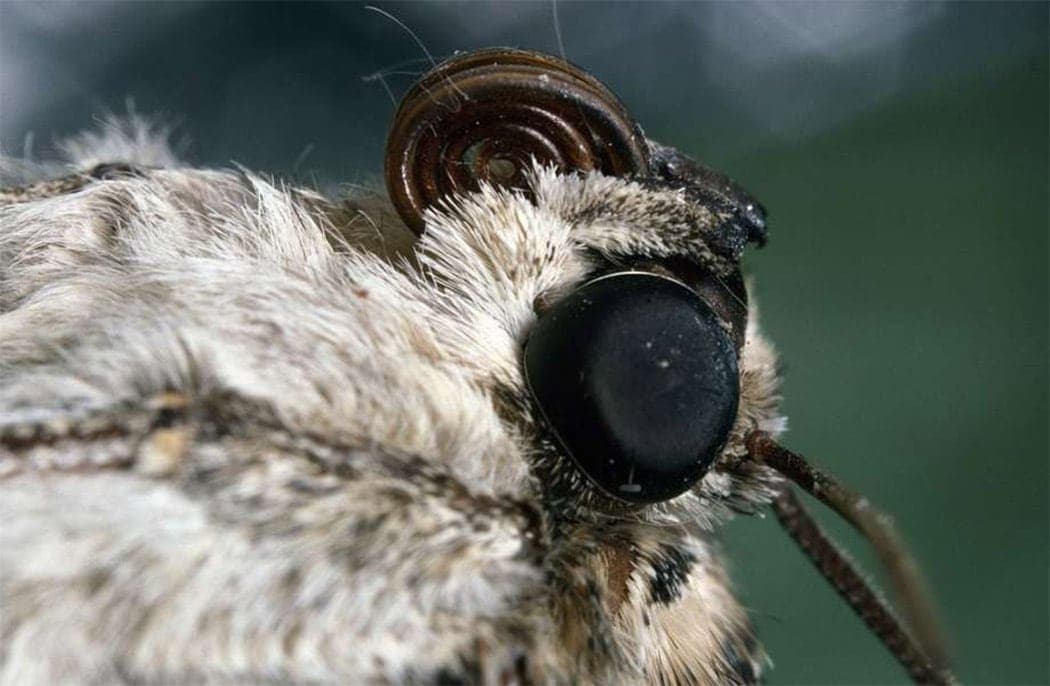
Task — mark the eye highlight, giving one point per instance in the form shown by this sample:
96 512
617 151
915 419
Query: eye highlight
638 380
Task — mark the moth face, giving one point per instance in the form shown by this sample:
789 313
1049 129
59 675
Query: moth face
637 373
647 370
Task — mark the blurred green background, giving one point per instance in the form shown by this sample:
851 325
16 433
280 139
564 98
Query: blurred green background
900 148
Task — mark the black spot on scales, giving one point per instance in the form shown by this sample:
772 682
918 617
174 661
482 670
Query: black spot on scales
736 652
670 569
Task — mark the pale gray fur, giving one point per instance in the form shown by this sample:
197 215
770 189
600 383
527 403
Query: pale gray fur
254 435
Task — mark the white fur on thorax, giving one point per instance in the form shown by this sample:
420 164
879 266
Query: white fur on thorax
214 284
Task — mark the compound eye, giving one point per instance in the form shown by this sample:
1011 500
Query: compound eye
638 380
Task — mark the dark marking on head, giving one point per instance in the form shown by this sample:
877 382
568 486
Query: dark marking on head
670 569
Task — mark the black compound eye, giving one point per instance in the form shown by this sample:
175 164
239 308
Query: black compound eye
638 380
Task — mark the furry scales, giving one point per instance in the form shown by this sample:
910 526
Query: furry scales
250 434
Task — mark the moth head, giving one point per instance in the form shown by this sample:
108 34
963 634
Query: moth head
636 350
635 370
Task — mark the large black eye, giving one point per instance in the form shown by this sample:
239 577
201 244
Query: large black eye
638 379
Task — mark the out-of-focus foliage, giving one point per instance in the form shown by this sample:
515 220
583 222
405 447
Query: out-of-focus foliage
902 152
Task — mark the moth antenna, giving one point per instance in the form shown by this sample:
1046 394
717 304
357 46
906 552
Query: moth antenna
877 528
848 582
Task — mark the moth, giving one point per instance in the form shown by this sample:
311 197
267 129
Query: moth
482 428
